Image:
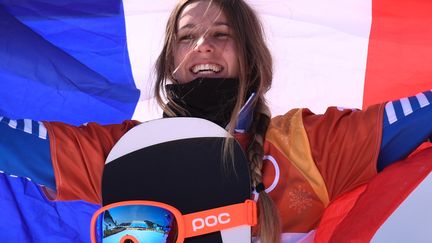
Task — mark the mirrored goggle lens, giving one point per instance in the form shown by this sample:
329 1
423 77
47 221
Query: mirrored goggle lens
136 224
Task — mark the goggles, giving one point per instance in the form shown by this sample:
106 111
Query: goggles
155 222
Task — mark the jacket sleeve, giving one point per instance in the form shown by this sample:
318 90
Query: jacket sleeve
78 157
407 123
24 150
345 144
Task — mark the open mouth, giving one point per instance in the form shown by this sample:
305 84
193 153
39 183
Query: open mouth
206 69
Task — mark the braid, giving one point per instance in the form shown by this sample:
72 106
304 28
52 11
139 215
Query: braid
268 228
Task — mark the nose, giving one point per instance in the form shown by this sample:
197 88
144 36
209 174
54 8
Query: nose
204 45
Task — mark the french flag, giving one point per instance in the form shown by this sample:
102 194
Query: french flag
92 60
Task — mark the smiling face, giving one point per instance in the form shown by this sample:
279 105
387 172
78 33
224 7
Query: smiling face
205 45
203 41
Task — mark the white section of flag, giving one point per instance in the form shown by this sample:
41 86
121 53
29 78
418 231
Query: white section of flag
412 220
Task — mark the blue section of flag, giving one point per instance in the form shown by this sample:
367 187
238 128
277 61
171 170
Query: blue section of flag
62 60
65 60
28 216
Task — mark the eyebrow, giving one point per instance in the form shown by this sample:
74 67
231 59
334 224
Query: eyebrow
217 23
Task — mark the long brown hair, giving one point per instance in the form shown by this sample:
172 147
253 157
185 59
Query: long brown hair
255 73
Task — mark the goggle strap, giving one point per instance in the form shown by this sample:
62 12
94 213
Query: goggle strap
221 218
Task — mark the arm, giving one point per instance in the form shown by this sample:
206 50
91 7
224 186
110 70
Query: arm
45 151
345 145
407 123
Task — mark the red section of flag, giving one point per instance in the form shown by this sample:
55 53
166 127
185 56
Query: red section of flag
356 216
335 213
399 60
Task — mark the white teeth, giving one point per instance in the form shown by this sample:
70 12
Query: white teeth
206 68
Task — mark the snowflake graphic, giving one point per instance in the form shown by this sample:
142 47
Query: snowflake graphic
300 199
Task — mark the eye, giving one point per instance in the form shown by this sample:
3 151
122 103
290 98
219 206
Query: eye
221 35
186 38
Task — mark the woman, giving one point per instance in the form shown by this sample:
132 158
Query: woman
213 39
215 65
